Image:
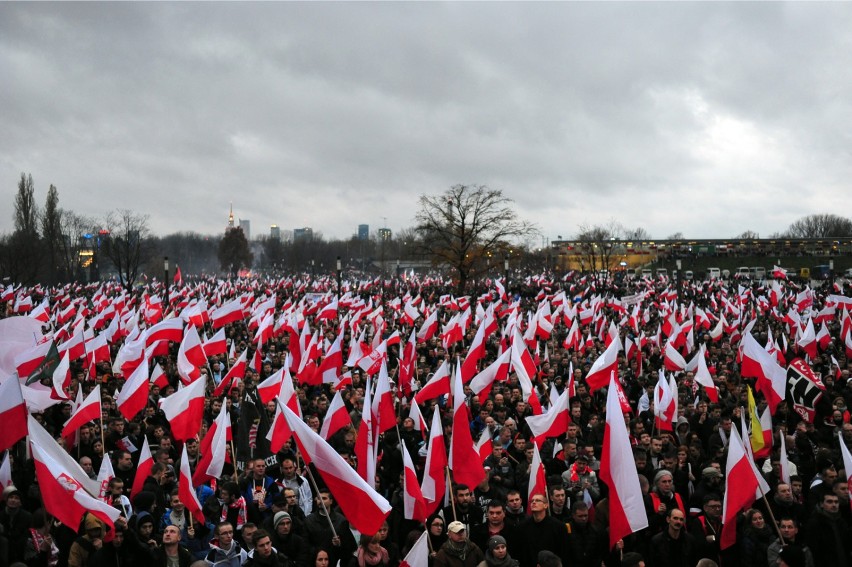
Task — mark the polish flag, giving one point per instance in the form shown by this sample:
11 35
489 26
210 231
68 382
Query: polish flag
105 474
89 410
702 374
238 370
740 486
757 363
384 412
184 410
553 423
269 388
29 360
337 417
538 482
497 371
808 340
847 458
75 347
230 312
13 413
464 460
134 394
665 402
191 356
779 273
6 472
213 449
414 505
365 508
618 471
785 464
365 442
66 490
526 371
158 377
329 367
673 360
279 431
434 473
143 469
604 366
329 311
185 490
217 344
475 353
438 385
484 445
418 555
427 330
168 330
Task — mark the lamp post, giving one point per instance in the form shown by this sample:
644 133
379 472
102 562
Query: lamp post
506 271
166 277
339 275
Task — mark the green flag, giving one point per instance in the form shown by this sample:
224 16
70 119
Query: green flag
47 366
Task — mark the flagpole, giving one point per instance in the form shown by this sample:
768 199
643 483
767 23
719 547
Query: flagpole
452 493
762 493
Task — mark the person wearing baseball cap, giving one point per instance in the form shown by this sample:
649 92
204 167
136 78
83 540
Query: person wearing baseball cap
458 551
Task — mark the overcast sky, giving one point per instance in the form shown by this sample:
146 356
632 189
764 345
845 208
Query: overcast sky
702 118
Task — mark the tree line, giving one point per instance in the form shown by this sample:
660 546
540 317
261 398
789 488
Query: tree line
467 230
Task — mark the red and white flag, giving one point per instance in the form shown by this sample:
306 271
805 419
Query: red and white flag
191 356
134 394
618 471
740 486
213 449
337 417
168 330
217 344
13 413
757 363
464 460
497 371
66 490
418 555
553 423
365 508
230 312
238 370
186 493
438 385
607 363
538 482
414 505
89 410
434 473
143 469
184 410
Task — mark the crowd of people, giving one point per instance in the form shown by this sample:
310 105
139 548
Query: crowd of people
273 510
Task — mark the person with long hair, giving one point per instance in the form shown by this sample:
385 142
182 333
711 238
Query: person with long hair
370 553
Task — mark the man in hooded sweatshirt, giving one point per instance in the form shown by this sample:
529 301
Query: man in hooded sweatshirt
224 550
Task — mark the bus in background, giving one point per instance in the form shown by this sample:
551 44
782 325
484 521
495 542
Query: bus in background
714 273
821 272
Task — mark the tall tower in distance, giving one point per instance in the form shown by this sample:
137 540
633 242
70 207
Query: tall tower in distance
231 217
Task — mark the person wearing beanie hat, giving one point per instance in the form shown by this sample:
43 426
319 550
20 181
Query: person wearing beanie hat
15 522
286 541
497 554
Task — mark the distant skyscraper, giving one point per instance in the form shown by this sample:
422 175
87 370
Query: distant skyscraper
306 233
363 232
246 226
275 232
385 234
230 219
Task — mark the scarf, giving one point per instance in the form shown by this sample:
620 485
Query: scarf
367 557
459 550
240 504
38 538
492 561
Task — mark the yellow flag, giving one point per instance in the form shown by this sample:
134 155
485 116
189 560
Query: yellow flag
756 431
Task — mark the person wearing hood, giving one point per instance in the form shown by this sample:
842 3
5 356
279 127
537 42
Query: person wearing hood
143 525
87 544
224 550
497 554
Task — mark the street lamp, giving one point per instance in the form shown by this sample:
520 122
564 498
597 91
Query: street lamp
506 271
166 277
339 274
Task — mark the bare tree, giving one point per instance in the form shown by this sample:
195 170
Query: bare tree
820 226
24 252
72 228
462 225
747 235
51 232
595 245
125 246
637 233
